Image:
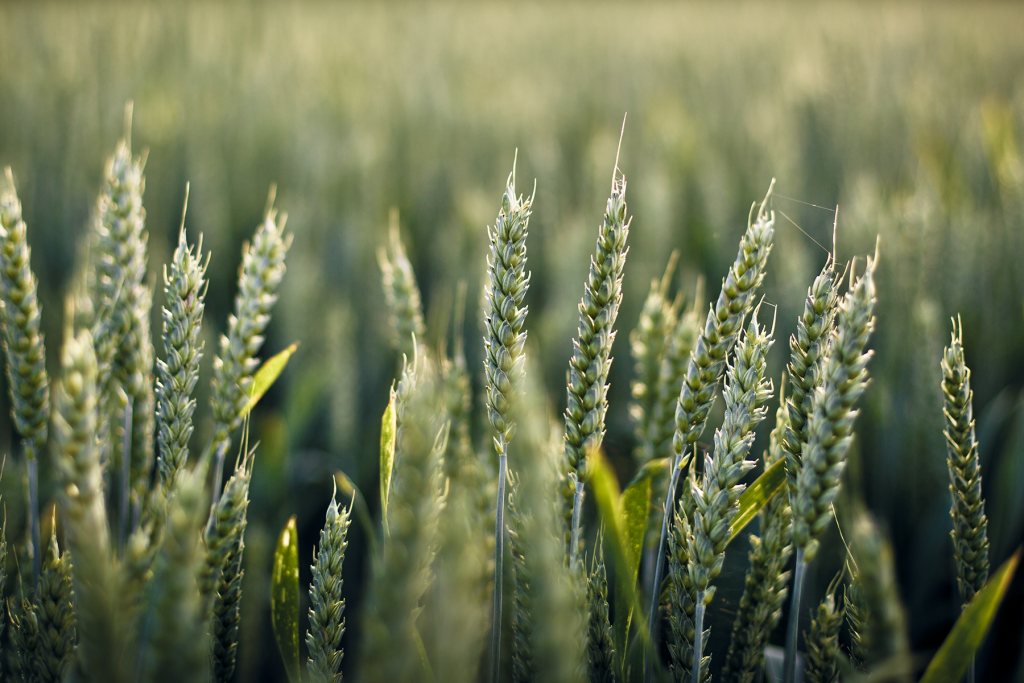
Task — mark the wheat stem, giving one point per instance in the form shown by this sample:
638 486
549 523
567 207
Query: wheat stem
793 627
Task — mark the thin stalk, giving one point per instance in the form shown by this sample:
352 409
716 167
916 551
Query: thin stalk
126 461
499 547
577 506
970 672
33 509
218 469
659 562
698 636
793 628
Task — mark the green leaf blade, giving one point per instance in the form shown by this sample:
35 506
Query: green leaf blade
757 495
388 433
284 598
267 375
634 510
952 660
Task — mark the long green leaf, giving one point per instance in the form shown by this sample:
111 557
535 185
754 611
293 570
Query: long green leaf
757 495
388 430
267 375
284 598
634 509
950 663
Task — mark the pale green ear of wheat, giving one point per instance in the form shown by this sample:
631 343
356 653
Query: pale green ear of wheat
970 526
602 659
226 610
224 526
185 291
717 496
259 276
326 616
822 640
707 363
760 606
55 610
402 294
591 359
94 579
400 577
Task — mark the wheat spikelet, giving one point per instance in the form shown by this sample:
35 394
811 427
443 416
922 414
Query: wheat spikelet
326 620
764 591
591 358
137 380
401 292
822 641
55 612
225 524
24 635
680 601
857 618
225 618
970 526
259 276
185 290
602 659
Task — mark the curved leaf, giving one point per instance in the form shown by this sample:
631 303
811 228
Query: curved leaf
388 430
950 663
634 509
757 495
267 375
284 598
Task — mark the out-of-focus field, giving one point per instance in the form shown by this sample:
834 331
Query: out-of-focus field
910 118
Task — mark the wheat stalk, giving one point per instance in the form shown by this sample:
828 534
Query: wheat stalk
185 290
27 381
326 617
707 362
760 606
522 621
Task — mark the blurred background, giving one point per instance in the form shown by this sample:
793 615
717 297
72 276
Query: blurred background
909 117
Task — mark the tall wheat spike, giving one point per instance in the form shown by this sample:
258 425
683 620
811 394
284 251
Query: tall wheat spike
24 349
707 362
326 616
93 577
55 613
602 659
400 577
136 377
591 359
504 317
717 497
402 294
829 434
259 276
226 610
224 526
823 638
185 291
764 591
970 526
680 603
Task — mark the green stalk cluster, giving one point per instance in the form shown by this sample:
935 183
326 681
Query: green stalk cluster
93 576
707 362
591 359
822 641
647 344
27 381
54 614
885 623
185 290
326 617
970 526
716 499
119 250
504 358
830 425
402 575
764 591
402 294
174 647
259 276
603 661
809 349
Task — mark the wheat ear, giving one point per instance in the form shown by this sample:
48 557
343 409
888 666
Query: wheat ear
185 291
402 294
226 610
822 640
55 611
326 617
224 526
707 362
602 659
259 277
764 591
970 526
27 381
504 316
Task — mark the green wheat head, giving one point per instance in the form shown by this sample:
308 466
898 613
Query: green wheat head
326 616
223 529
54 608
259 277
970 526
680 596
402 294
830 425
764 590
185 290
822 640
602 659
647 345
